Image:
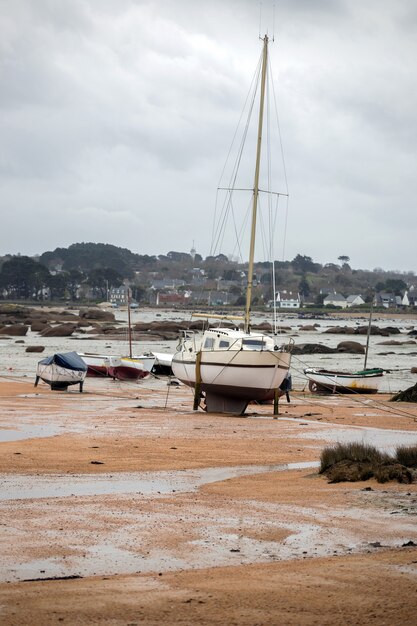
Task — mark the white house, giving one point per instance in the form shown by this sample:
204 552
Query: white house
354 301
390 300
335 299
287 300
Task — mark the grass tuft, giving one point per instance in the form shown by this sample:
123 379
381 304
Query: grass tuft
354 452
358 461
407 455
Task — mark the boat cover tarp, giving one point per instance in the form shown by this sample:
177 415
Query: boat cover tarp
371 372
69 360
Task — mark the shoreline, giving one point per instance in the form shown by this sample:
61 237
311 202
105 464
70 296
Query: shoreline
264 547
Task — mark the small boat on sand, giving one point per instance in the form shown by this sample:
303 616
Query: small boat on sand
129 368
62 370
96 363
364 381
163 363
122 368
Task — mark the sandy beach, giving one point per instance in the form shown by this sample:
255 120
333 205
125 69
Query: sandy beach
121 505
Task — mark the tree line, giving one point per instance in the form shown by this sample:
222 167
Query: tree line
62 273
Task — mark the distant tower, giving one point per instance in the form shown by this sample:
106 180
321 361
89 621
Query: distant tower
193 252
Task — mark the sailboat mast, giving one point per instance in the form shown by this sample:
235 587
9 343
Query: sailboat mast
129 323
256 186
368 334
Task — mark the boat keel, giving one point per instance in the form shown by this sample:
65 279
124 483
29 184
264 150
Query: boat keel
216 403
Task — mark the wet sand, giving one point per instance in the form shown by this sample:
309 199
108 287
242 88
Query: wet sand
145 512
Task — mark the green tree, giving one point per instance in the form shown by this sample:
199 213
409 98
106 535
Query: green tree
73 280
22 277
87 256
395 285
343 259
304 287
303 264
57 286
100 280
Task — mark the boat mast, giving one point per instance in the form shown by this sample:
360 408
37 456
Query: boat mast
129 325
256 187
368 334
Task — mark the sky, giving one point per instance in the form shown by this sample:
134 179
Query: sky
116 117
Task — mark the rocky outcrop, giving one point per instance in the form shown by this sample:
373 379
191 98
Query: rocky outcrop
97 314
14 330
351 347
409 395
362 330
38 325
312 348
63 330
340 330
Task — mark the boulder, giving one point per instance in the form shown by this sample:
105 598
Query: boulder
312 348
409 395
308 327
35 349
38 325
63 330
351 347
413 370
340 330
97 314
375 330
264 326
14 330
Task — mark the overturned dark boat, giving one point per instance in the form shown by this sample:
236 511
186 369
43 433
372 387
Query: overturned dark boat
62 370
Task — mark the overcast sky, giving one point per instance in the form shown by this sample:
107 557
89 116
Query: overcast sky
116 117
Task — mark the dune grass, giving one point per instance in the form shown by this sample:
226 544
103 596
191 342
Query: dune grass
356 461
407 455
355 451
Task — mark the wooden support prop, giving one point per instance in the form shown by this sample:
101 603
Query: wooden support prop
197 388
276 401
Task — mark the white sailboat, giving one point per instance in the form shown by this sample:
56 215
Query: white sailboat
229 367
131 367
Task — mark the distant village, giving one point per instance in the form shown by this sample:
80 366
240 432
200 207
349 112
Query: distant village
89 272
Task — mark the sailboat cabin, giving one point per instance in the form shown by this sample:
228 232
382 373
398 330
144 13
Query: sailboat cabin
228 339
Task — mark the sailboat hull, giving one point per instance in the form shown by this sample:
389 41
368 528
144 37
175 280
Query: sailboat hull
245 375
127 368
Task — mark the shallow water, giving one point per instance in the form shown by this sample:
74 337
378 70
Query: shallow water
14 361
141 483
28 431
386 440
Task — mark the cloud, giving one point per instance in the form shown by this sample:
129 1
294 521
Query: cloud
116 118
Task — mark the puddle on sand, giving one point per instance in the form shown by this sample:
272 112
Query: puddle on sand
141 483
27 431
386 440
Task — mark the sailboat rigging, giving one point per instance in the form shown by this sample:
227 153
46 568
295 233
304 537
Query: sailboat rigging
230 367
129 367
